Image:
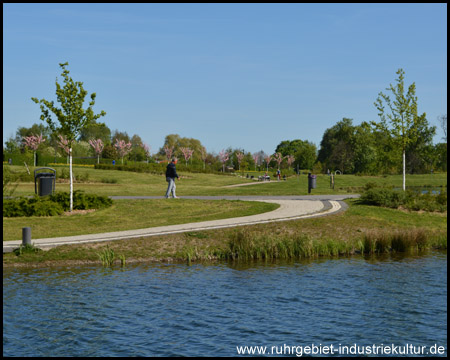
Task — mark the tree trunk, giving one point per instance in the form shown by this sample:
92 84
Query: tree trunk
71 179
404 170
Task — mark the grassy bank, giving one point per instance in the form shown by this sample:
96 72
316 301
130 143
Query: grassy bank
361 229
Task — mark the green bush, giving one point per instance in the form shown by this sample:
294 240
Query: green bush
53 205
81 201
35 206
382 197
411 200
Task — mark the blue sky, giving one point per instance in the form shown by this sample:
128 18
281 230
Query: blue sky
241 75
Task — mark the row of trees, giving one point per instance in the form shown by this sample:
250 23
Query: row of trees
92 144
367 148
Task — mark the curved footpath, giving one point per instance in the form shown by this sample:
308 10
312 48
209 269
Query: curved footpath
291 208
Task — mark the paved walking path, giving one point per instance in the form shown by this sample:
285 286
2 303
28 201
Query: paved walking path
291 208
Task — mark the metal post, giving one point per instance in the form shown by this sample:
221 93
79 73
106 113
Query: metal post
26 236
309 183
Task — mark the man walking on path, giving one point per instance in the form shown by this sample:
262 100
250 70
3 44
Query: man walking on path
171 174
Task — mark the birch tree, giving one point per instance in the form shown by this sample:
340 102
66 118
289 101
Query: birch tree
400 119
71 118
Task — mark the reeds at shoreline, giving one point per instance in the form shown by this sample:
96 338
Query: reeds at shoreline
245 245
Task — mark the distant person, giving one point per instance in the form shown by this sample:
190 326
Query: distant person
171 174
278 174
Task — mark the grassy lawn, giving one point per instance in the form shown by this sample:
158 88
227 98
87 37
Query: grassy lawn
344 231
132 214
131 183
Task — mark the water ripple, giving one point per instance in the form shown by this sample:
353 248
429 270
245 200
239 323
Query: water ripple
198 310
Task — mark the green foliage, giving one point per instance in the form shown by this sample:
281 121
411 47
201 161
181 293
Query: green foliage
81 201
410 200
26 249
177 142
96 130
72 117
8 179
378 242
410 132
35 206
107 256
244 245
52 205
336 150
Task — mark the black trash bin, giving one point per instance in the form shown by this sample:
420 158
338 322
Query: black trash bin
44 182
311 182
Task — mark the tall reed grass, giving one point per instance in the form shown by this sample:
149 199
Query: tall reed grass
107 256
246 245
402 241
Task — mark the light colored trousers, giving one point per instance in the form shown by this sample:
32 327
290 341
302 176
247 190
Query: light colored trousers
171 187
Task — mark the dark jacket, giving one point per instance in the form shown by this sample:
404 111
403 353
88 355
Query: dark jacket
171 171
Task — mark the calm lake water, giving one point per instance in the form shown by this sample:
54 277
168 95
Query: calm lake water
210 310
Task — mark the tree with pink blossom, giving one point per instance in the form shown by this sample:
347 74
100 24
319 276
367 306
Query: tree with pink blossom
33 143
267 159
278 158
187 153
122 148
239 157
169 152
146 150
223 156
203 155
290 159
97 145
255 157
63 143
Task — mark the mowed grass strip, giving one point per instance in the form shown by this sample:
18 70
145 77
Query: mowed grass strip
133 214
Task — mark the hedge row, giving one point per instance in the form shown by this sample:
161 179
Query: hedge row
154 168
